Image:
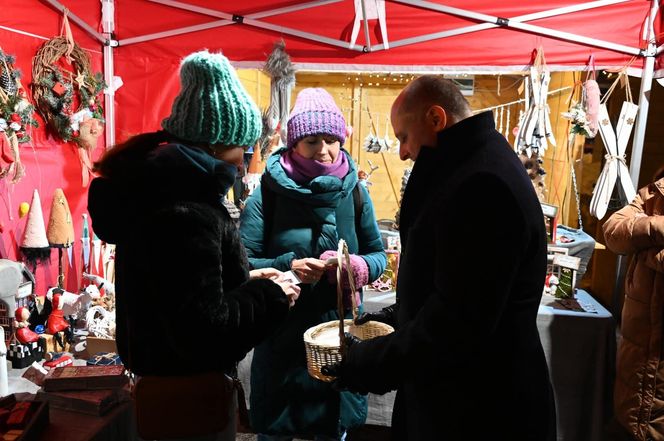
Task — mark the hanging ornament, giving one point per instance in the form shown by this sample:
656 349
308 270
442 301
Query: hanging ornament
58 92
252 178
507 123
282 80
387 142
615 142
536 174
23 209
591 99
7 81
371 143
85 245
96 254
535 130
376 144
270 138
579 120
16 117
517 129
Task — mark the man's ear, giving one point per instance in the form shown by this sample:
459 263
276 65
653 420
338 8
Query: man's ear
437 117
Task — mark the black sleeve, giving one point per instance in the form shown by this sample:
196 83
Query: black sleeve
478 243
186 266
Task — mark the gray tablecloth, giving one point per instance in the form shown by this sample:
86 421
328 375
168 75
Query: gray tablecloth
580 349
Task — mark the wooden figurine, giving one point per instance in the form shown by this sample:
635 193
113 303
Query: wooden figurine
56 322
23 332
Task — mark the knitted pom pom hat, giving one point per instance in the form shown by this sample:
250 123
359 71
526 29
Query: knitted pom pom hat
212 106
315 113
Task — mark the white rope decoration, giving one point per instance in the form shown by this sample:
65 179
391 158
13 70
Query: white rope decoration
100 322
519 101
502 119
576 193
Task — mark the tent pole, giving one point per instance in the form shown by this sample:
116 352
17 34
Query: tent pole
635 163
250 20
298 33
644 97
639 138
516 23
173 32
641 119
108 24
367 43
219 14
521 18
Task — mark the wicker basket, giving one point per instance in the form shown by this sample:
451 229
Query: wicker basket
323 343
320 354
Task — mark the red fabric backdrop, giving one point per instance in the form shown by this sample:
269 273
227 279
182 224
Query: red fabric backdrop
49 163
149 69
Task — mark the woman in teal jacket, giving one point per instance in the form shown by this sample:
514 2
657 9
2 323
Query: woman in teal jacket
309 198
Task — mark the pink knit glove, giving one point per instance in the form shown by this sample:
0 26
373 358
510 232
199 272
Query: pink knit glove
360 275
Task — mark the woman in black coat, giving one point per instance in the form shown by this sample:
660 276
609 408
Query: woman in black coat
186 303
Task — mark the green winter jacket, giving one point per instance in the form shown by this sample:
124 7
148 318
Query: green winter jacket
304 221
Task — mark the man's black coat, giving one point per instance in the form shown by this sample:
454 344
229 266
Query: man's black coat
466 358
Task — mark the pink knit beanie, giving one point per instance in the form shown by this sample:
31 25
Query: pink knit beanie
315 113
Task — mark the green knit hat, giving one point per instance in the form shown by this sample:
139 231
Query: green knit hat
213 106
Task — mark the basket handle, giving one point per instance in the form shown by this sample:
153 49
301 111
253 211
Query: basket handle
342 252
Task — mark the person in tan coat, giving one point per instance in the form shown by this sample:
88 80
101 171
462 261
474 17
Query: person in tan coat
638 230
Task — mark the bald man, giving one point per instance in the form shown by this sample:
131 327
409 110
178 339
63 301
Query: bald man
466 358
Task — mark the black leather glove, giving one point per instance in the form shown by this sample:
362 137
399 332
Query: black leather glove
338 371
387 315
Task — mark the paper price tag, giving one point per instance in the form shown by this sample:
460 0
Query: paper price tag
290 276
572 262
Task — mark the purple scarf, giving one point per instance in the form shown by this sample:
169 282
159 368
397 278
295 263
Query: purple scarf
303 170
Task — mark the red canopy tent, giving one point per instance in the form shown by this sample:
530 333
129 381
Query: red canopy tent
142 42
145 39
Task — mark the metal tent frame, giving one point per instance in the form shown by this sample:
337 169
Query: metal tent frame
518 23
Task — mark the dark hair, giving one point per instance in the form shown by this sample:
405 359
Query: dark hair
659 174
429 90
136 146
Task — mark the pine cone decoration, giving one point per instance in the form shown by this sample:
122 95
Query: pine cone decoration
6 81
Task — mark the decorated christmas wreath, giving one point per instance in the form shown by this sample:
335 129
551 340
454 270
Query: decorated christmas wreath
58 90
16 117
16 112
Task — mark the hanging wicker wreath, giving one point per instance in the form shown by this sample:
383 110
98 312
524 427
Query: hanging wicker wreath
54 89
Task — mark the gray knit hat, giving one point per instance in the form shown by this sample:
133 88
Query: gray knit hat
213 106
